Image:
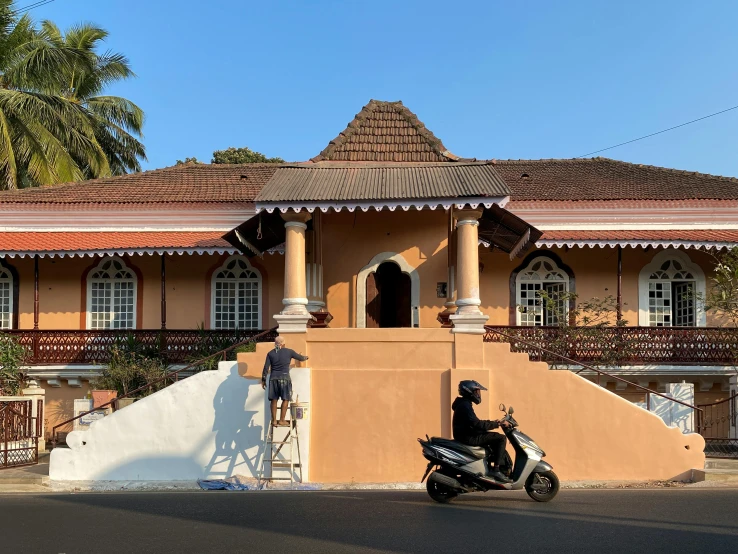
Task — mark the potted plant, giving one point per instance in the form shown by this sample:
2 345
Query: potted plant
126 372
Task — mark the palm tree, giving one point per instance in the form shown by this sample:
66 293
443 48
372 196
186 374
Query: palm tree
38 132
117 122
54 126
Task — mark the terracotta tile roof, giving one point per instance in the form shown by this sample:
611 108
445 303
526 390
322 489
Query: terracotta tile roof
98 241
696 235
182 184
386 132
342 182
606 179
563 205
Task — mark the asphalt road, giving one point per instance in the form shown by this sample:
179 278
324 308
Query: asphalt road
670 520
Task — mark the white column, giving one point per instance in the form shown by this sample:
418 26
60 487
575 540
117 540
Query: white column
468 317
294 316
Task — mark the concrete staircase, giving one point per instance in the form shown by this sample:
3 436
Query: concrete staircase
721 469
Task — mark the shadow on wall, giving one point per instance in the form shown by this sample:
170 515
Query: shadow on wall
234 436
234 447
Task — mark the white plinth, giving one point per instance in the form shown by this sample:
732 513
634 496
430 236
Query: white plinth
471 324
292 323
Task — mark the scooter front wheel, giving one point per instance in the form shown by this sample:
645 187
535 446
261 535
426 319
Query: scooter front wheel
542 487
439 492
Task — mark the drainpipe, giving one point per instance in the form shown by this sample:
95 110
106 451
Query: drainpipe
163 291
620 283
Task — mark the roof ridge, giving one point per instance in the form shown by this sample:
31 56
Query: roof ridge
365 114
622 162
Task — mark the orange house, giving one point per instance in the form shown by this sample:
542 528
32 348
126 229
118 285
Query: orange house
385 228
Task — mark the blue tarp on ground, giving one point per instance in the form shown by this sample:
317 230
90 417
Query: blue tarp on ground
221 485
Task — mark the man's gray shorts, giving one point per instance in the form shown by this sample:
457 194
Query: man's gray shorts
280 389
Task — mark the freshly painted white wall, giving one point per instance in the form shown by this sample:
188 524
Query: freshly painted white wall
208 426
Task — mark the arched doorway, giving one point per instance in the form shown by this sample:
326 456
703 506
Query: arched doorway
388 297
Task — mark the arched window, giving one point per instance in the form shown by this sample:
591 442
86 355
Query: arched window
6 298
541 275
111 296
236 295
669 289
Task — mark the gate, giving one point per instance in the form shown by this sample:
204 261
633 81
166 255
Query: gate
19 432
716 422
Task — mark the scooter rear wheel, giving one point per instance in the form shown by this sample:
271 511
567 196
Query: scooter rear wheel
439 492
542 487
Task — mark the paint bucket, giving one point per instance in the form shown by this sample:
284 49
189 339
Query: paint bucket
299 410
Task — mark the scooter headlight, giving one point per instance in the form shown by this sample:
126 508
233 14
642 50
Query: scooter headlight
529 444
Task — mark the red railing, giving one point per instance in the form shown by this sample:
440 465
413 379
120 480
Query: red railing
170 377
623 345
19 432
94 347
541 353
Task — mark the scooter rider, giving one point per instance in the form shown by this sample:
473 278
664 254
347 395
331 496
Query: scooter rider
471 430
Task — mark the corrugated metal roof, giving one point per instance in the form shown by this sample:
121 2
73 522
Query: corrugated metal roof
332 181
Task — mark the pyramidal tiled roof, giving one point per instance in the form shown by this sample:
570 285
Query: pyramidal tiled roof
386 132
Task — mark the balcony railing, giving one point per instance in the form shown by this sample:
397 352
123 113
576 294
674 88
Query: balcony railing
94 347
623 345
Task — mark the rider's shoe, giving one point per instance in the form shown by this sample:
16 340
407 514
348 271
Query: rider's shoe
499 477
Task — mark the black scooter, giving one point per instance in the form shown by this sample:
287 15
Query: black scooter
461 469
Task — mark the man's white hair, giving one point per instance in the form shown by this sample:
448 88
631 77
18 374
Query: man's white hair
279 341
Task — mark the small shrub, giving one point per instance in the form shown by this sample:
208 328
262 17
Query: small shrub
128 371
12 358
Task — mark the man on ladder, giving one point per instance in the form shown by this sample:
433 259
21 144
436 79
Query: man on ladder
280 384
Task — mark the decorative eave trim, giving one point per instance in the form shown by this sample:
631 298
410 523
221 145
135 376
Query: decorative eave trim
707 245
132 252
379 205
117 252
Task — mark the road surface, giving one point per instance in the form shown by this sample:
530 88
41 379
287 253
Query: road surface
668 520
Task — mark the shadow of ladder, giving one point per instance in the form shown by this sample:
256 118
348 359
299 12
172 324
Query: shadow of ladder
272 450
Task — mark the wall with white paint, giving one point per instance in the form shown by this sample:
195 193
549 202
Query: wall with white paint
208 426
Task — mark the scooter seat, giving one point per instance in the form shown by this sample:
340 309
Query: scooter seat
475 451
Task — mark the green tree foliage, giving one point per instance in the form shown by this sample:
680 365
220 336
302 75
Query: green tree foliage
188 161
117 122
722 296
242 156
54 124
12 358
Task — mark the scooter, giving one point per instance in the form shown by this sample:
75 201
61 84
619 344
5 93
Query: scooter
461 469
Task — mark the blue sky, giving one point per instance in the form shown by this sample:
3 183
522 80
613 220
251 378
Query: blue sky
492 79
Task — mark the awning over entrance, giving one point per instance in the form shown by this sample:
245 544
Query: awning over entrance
501 229
337 186
259 234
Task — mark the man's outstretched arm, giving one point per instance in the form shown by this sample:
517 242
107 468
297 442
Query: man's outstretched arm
299 357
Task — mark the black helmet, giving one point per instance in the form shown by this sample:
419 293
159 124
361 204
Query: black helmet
471 390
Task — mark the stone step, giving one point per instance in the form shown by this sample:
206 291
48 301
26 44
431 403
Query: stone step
721 463
722 475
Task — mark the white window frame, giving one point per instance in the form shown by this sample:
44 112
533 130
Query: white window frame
215 279
112 281
542 272
654 266
6 276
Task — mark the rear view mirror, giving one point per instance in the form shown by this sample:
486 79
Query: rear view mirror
502 407
510 411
